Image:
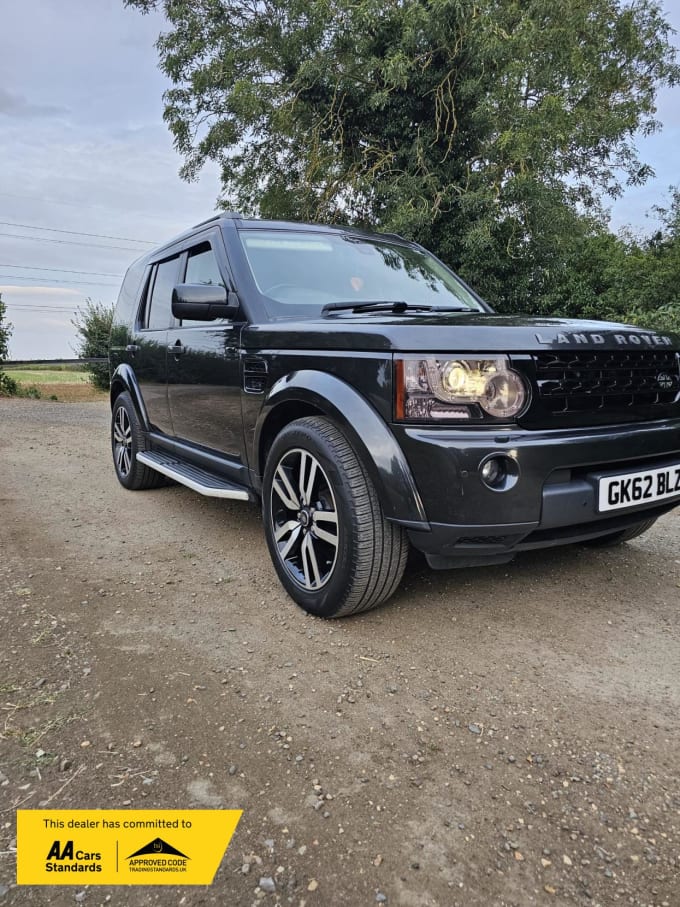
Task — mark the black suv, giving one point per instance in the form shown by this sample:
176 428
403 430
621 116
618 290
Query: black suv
370 399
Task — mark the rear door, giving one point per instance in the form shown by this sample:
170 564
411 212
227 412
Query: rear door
203 364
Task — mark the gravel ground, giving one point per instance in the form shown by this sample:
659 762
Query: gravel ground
507 736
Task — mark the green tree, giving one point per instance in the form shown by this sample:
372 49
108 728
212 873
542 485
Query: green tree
635 279
93 326
482 128
8 386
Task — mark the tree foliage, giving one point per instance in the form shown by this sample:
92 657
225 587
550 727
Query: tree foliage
624 278
478 127
8 386
93 327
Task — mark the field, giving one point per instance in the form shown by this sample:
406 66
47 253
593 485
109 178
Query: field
68 383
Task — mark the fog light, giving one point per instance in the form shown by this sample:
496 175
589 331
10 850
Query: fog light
499 472
493 472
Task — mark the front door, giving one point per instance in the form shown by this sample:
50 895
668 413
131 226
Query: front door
204 367
151 343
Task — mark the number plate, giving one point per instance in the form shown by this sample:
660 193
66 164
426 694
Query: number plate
638 488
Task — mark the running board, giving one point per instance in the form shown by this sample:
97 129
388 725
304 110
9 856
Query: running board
194 477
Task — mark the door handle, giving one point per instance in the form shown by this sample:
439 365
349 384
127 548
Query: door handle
177 348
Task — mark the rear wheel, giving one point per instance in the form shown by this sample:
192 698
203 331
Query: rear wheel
127 439
624 535
332 547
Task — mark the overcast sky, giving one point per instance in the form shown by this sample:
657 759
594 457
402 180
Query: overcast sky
83 148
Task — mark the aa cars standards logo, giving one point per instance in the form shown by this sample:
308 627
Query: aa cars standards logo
158 856
68 857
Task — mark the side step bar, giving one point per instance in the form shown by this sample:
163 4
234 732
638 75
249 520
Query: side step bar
194 477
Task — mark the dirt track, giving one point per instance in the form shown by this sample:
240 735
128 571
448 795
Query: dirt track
501 737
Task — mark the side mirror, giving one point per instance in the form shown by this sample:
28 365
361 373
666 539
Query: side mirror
203 302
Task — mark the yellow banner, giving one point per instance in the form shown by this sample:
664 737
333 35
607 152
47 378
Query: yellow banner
122 846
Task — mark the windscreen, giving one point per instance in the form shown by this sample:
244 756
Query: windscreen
299 272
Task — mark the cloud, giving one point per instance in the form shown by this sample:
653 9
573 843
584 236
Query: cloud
16 105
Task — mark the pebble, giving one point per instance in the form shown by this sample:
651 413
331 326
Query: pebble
381 898
232 769
313 885
267 884
474 729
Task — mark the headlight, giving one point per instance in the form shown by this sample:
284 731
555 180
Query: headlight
465 388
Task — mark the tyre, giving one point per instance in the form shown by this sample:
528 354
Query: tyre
623 535
332 547
127 438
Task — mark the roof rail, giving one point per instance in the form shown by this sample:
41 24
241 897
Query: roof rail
219 216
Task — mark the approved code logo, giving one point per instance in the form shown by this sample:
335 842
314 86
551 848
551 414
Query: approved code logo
158 856
119 847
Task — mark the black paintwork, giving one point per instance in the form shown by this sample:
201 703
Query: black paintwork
217 392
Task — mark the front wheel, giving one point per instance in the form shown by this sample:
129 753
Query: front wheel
332 547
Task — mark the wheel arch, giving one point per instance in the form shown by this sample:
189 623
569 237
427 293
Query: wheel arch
310 392
123 379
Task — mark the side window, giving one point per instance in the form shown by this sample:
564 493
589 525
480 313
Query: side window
159 309
202 267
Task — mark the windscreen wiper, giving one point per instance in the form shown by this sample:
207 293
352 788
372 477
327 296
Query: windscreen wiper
385 305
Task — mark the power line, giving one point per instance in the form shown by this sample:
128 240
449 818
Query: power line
69 242
41 308
40 305
51 280
9 223
87 283
61 270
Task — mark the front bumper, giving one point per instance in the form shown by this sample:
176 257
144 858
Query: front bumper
554 500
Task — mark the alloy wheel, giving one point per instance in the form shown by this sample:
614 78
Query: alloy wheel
304 519
122 441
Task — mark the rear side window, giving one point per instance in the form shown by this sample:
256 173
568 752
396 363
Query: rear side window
159 308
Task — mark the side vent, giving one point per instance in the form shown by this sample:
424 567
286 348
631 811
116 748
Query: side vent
254 375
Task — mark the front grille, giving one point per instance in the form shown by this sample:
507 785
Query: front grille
601 382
